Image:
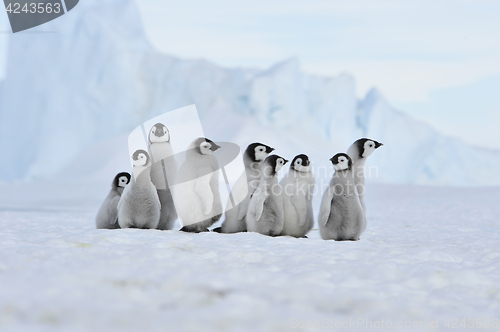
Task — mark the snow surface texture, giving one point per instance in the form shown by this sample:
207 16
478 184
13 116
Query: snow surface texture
428 254
97 77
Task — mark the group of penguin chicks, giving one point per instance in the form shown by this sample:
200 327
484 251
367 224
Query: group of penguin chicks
266 206
285 208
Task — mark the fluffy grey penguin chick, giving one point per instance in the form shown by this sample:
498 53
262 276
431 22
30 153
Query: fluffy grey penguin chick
341 216
298 187
163 170
139 205
253 158
107 216
196 195
265 211
359 151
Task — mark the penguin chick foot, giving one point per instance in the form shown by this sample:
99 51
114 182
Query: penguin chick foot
188 229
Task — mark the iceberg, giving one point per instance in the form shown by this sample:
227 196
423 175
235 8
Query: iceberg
93 77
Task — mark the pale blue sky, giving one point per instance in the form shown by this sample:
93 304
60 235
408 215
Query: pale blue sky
437 60
427 57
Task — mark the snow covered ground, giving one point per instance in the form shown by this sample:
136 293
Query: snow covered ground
429 254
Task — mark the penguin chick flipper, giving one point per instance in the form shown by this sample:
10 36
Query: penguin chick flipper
243 208
203 189
260 198
299 203
122 198
113 211
326 205
154 193
310 192
240 193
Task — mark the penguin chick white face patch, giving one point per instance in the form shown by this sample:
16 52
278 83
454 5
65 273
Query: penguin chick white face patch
205 148
159 134
260 153
279 164
302 169
141 160
122 181
302 164
342 164
369 147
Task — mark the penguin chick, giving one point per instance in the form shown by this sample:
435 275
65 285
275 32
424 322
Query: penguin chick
107 217
196 193
158 134
163 170
139 205
265 211
341 216
253 158
359 151
298 187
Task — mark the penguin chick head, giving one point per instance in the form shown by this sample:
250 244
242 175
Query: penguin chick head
366 147
273 164
258 151
206 146
301 163
121 180
140 158
341 162
159 134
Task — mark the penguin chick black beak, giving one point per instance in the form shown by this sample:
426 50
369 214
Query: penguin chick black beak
331 159
285 162
269 149
215 147
377 145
